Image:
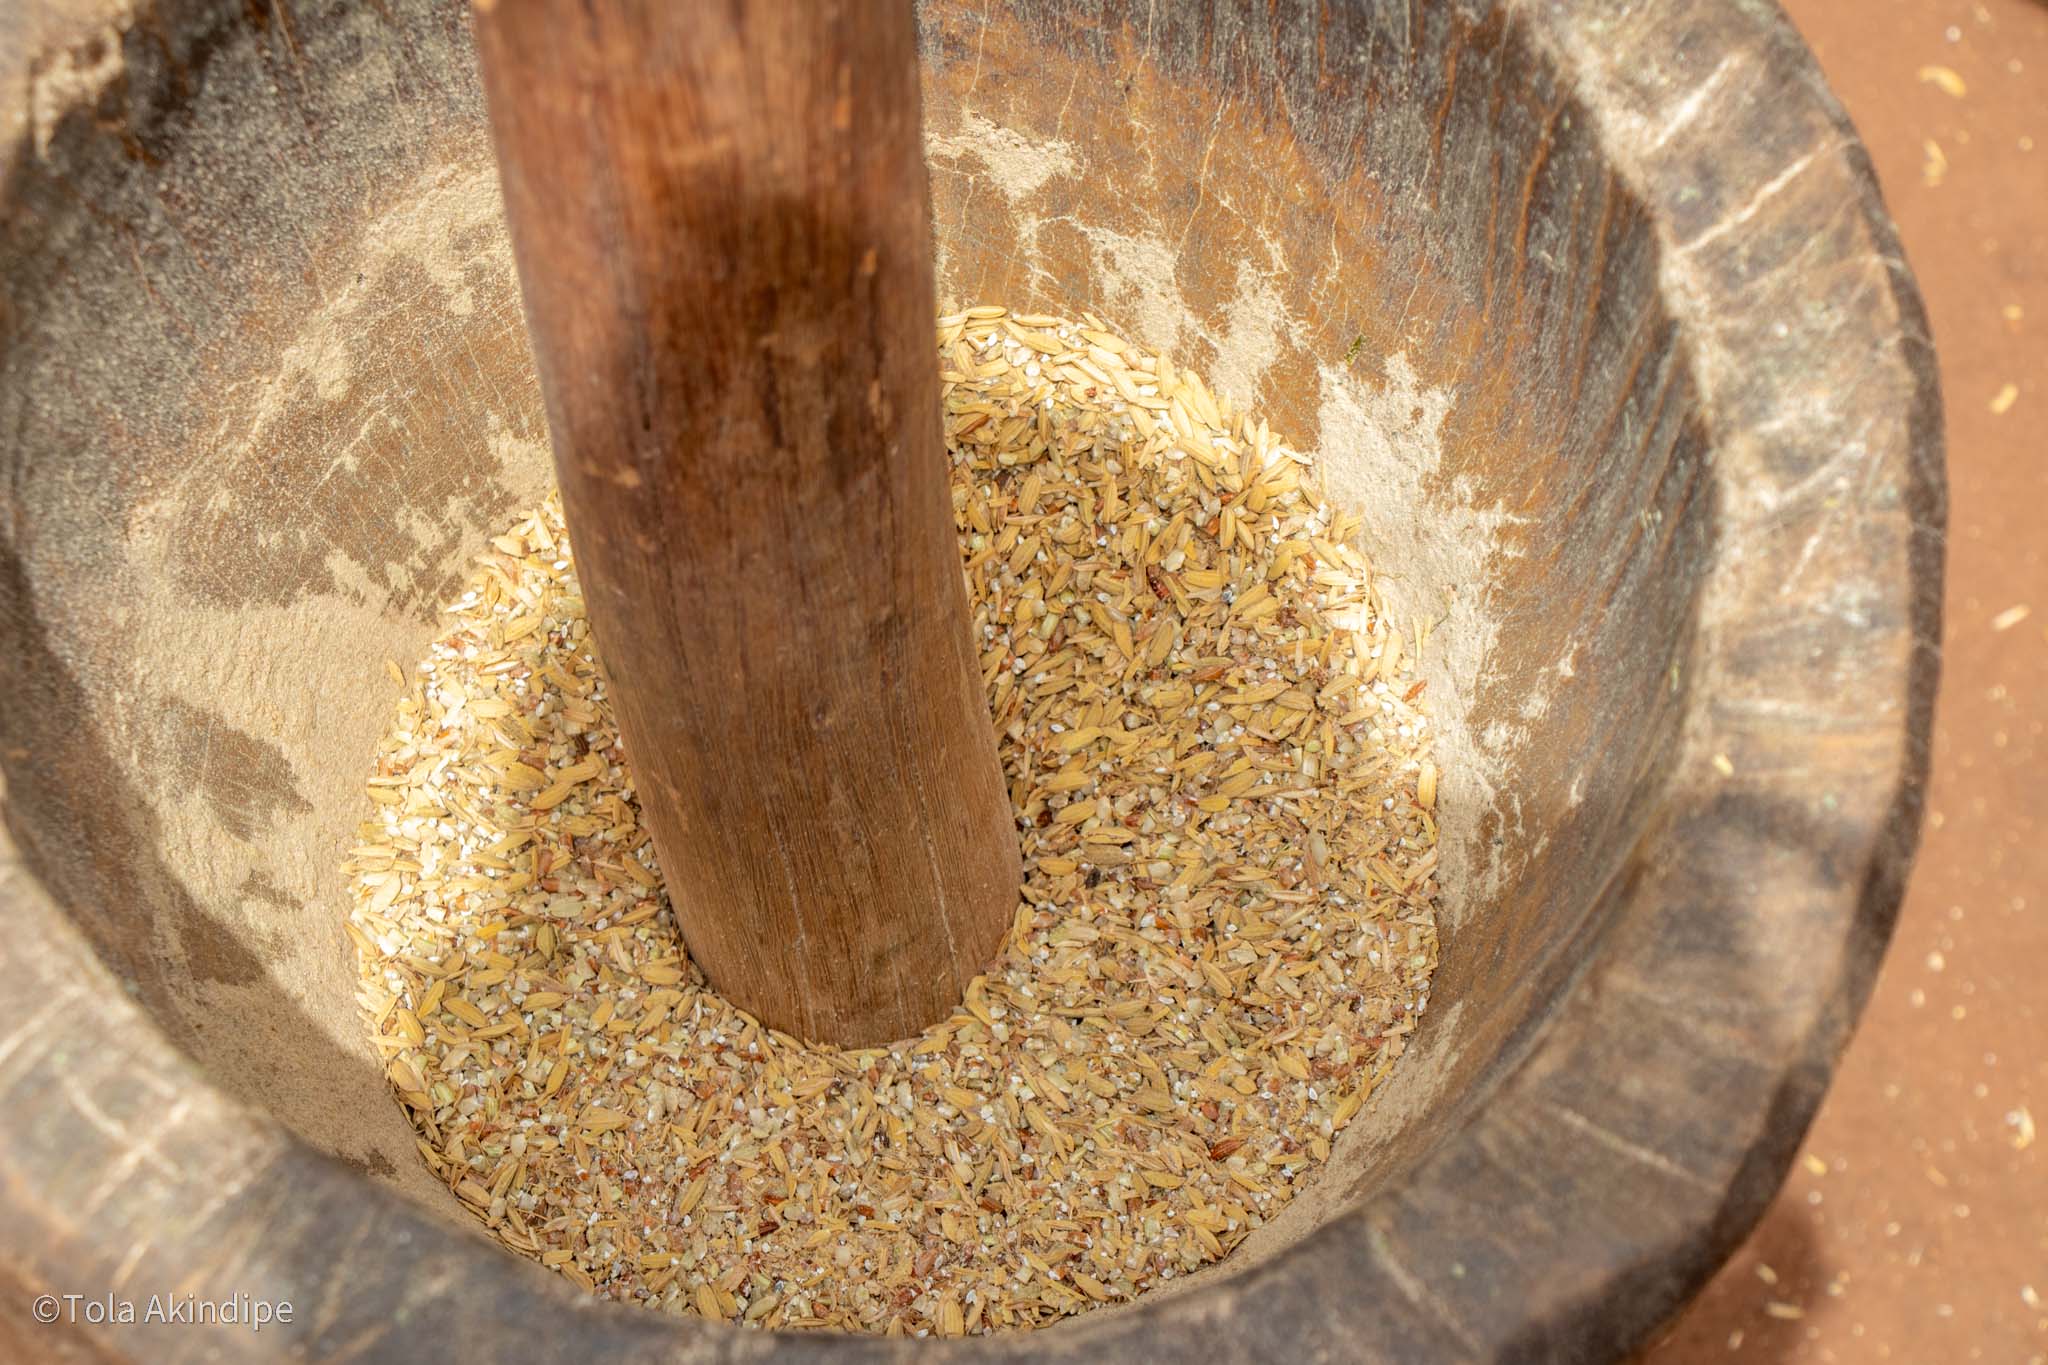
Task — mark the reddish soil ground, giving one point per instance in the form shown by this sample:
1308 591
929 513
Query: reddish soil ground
1915 1226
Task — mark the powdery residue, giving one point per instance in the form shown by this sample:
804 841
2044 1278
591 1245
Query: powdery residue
1018 166
75 78
434 260
1381 453
453 225
1135 265
1255 327
1134 280
289 1026
219 332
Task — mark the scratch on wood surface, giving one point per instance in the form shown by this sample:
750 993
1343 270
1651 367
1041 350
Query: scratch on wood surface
1683 113
1417 1293
135 1151
1201 180
1635 1152
33 1025
1764 194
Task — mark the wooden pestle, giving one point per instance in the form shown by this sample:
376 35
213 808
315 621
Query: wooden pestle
722 226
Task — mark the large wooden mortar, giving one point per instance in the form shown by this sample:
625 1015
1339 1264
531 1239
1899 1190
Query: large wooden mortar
1592 309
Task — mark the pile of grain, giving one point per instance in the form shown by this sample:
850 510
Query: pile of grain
1224 939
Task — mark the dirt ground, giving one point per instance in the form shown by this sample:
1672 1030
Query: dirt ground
1915 1226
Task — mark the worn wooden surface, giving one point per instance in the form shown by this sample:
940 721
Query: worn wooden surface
1636 341
724 240
1920 1192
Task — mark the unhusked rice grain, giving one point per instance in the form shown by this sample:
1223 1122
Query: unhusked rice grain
1223 943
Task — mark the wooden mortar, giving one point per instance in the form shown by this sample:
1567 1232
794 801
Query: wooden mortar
1618 358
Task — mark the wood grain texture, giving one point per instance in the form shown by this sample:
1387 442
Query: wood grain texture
723 231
